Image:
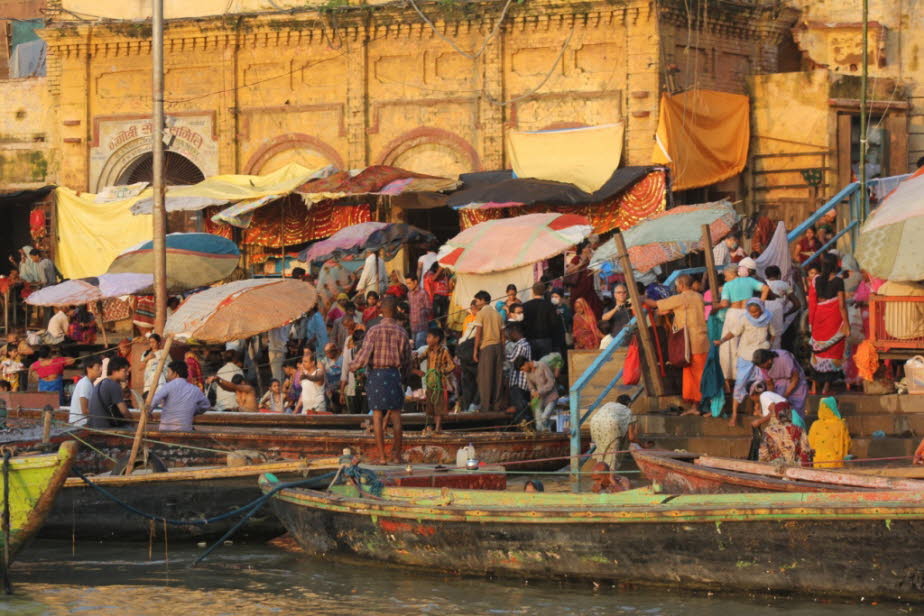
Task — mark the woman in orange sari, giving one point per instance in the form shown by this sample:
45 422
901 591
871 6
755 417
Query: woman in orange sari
586 333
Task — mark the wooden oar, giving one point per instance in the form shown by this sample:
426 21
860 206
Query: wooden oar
143 420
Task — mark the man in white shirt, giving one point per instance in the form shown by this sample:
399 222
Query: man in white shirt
276 350
727 251
227 400
57 327
424 264
80 399
373 277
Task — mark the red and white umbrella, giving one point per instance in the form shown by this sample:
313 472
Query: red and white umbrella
241 309
498 245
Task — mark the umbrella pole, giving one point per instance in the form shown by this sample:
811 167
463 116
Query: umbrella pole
143 420
710 264
251 350
644 334
102 325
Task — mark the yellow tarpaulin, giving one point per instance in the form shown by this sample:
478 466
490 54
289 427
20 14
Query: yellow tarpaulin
223 189
703 135
585 157
92 234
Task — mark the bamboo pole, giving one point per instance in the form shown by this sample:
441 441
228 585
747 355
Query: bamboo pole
102 325
644 334
143 420
159 211
710 264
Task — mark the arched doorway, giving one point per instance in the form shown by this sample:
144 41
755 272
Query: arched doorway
178 171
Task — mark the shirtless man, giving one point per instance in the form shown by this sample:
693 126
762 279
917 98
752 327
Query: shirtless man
244 393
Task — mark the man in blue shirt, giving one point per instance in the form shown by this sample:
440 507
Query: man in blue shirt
180 400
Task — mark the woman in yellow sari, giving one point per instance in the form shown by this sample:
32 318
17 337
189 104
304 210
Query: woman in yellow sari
829 436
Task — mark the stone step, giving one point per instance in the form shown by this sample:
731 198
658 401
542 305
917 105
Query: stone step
863 425
737 446
858 403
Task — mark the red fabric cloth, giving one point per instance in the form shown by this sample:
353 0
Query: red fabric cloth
54 368
646 197
194 370
288 223
37 227
826 324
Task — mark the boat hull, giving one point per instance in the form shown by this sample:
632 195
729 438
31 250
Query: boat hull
35 482
223 419
688 473
813 552
209 447
82 512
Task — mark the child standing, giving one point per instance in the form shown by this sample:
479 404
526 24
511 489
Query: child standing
436 379
11 367
273 401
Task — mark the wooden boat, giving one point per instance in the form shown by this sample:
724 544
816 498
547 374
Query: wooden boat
210 446
452 421
83 512
846 544
34 482
689 473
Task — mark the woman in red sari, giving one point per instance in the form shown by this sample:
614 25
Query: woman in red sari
807 245
586 333
829 325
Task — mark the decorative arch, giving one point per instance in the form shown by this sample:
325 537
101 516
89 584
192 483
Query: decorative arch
291 141
426 135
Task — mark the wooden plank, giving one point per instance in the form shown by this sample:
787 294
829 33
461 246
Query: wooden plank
850 479
740 466
844 166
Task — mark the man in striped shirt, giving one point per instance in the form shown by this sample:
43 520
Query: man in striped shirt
386 352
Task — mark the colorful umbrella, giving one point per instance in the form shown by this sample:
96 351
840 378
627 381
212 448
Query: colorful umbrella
366 237
504 244
670 235
241 309
890 244
193 260
89 290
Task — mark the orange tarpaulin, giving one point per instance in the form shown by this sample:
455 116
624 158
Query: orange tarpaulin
703 135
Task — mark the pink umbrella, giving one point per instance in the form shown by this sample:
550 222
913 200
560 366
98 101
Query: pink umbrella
361 239
498 245
89 290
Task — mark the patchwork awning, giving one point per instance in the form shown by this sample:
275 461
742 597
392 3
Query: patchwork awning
360 240
88 290
891 242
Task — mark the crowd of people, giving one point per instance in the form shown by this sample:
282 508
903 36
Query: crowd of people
379 343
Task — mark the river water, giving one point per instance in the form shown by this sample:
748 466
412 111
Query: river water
54 578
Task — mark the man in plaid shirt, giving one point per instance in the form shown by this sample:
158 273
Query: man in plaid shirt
420 313
386 351
518 346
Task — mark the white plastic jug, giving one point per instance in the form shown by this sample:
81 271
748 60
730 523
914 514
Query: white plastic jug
464 454
914 375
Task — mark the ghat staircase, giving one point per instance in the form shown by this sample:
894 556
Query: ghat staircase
883 426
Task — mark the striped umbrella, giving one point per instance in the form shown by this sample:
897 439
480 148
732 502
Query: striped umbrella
890 244
507 243
670 235
88 290
193 260
241 309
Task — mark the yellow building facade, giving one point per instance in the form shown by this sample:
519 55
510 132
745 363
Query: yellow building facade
434 89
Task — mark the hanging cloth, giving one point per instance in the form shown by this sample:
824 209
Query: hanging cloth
712 384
